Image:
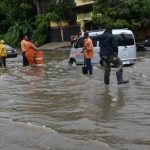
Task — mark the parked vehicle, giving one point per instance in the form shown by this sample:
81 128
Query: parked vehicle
126 47
11 51
142 46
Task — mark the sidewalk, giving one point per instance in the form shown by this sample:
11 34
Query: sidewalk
55 45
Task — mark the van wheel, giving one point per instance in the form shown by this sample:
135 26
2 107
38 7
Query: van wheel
72 61
140 48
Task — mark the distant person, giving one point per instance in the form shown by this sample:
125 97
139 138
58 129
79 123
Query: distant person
88 52
3 53
30 53
109 54
72 41
81 34
23 43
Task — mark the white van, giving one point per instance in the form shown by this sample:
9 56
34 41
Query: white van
126 47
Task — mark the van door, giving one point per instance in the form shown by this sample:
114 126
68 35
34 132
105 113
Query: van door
77 49
96 48
126 47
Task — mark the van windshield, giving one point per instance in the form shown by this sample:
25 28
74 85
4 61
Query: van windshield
124 39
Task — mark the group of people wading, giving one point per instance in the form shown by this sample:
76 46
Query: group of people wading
28 51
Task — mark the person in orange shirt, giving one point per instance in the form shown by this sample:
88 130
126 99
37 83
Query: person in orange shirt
88 52
30 53
23 43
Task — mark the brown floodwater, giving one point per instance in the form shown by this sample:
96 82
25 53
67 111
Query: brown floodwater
56 107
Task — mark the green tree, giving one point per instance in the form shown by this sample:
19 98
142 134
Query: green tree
16 20
42 24
58 11
132 14
64 10
32 17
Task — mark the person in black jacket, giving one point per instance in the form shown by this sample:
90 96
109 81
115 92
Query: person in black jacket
109 54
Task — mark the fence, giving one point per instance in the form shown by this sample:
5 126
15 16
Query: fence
57 34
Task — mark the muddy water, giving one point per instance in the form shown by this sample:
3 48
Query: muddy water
55 107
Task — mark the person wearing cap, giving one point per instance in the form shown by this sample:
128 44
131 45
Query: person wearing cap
88 52
3 53
24 43
109 54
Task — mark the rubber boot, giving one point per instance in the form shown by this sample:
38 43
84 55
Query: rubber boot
106 79
119 75
106 76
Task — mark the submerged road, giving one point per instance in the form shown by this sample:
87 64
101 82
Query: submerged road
55 107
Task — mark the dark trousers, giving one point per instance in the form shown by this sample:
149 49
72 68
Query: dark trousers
111 59
89 65
25 60
106 62
3 61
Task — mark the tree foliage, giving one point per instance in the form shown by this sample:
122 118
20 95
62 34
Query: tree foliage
132 14
16 20
31 17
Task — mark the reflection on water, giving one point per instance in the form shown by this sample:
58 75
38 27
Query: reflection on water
41 104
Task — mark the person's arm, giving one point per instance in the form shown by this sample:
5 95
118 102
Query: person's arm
35 47
114 45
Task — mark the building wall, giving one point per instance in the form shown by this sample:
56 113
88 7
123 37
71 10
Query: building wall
62 31
83 2
83 17
56 24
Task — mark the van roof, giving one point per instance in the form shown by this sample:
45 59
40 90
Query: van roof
114 31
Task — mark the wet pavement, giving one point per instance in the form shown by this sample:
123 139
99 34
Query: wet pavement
55 107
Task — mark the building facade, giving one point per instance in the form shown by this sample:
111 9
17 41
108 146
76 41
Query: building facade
84 14
62 31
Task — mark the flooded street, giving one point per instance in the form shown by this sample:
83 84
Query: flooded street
56 107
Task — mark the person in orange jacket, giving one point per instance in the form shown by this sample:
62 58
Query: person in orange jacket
88 52
23 43
30 53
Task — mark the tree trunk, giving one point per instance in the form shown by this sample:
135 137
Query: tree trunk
62 33
37 6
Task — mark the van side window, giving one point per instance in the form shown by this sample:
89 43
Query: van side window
124 39
94 40
80 43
